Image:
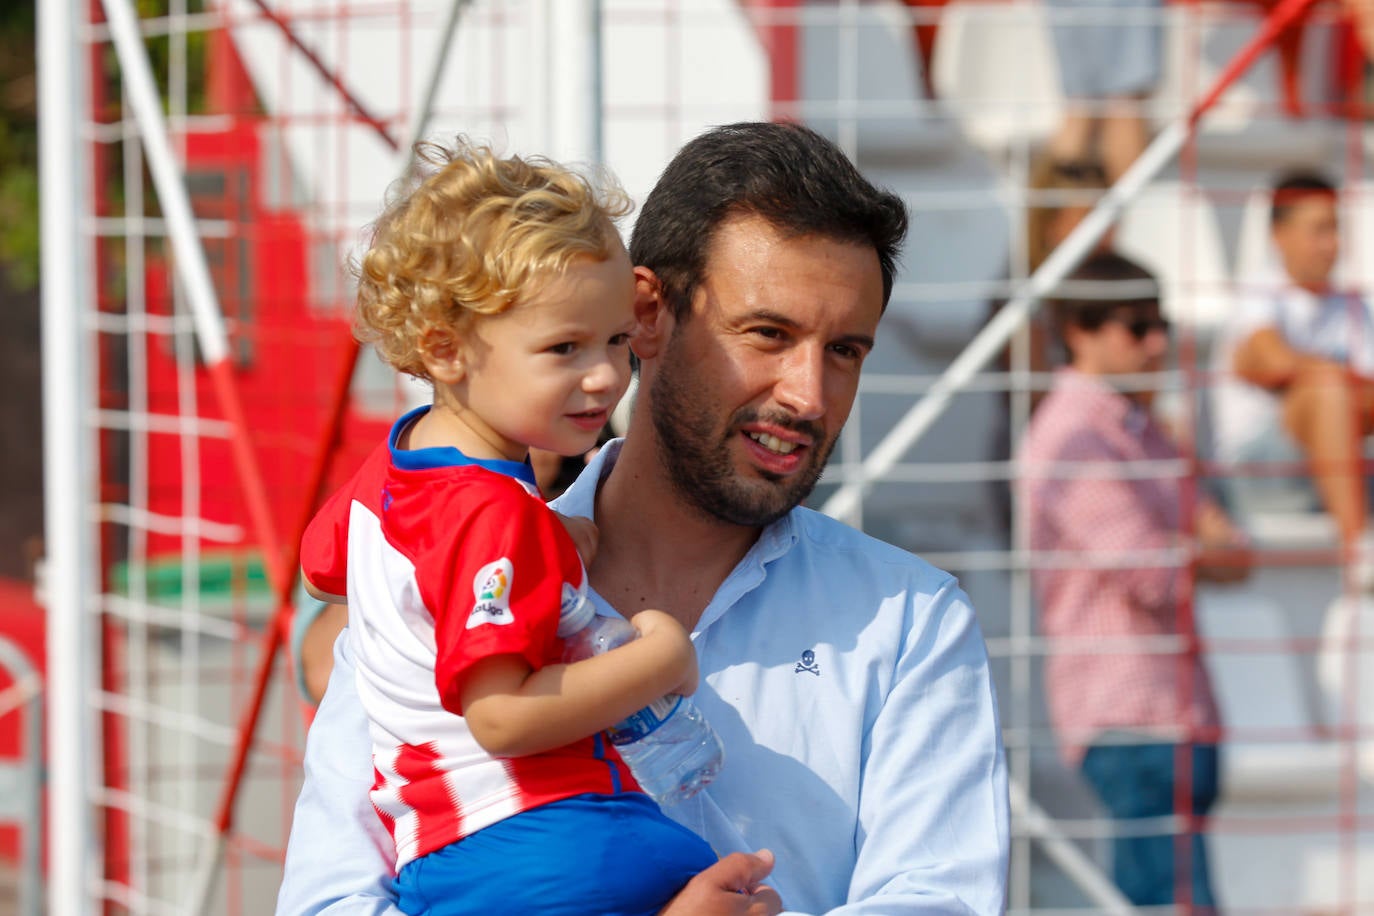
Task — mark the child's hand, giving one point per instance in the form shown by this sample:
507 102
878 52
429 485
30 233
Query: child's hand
584 534
679 654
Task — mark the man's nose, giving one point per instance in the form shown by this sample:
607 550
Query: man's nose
801 385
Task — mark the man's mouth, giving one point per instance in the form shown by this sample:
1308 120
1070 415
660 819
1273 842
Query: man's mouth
773 443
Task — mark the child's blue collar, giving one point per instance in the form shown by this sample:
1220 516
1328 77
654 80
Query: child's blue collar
446 456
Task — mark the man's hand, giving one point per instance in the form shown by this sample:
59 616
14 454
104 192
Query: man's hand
584 534
731 887
1225 554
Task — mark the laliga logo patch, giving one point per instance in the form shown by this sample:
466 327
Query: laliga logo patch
491 588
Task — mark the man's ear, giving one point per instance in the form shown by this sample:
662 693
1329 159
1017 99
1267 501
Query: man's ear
442 353
652 314
1074 338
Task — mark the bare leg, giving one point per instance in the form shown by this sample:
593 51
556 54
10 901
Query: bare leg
1073 140
1125 134
1328 416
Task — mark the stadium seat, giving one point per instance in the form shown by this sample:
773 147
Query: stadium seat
1345 671
1175 234
884 103
1247 124
1255 254
1263 692
994 65
1356 268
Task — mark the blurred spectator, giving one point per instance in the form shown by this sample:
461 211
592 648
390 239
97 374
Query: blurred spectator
1128 696
1109 61
1295 373
1059 195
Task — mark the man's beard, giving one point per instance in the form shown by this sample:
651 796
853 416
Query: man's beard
699 465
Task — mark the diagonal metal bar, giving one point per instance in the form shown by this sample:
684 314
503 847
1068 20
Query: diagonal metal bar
1082 870
329 76
425 112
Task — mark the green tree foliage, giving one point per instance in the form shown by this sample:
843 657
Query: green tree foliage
19 227
18 146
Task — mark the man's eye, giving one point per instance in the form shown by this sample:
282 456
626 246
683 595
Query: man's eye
770 333
845 351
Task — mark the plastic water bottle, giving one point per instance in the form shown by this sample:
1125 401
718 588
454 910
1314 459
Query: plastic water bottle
669 746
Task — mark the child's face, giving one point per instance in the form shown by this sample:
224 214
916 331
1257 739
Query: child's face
548 371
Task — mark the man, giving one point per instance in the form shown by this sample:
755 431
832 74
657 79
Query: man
1109 505
847 678
1295 367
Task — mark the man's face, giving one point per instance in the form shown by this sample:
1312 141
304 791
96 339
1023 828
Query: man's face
1133 340
750 391
1308 240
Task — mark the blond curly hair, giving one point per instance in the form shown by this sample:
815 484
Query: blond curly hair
471 234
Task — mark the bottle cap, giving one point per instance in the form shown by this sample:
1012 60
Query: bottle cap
575 614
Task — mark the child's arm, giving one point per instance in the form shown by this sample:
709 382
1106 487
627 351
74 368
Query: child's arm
513 711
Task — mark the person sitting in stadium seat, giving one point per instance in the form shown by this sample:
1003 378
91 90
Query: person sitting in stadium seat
1295 374
1109 62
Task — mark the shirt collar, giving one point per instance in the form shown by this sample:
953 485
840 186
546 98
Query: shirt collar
1277 278
580 499
1099 399
425 459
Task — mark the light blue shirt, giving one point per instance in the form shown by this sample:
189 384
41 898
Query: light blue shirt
1336 325
849 683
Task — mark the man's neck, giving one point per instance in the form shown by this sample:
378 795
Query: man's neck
1140 397
1317 286
655 550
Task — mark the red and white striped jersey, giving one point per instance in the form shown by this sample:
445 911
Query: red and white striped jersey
446 560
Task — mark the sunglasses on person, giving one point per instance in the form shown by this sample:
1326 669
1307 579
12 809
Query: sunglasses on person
1140 325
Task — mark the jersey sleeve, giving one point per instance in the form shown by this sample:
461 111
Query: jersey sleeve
324 546
513 568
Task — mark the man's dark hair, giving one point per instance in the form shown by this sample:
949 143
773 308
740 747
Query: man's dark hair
1292 187
789 175
1103 285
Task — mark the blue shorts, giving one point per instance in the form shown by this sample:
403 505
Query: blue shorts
612 854
1107 48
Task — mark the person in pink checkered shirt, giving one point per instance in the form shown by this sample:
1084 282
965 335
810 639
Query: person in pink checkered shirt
1120 530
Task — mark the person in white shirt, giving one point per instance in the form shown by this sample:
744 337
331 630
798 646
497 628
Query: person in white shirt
847 678
1295 370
